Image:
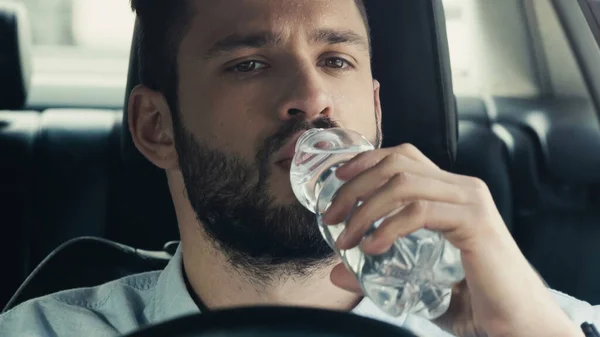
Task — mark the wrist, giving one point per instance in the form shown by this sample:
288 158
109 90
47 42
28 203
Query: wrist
547 327
527 307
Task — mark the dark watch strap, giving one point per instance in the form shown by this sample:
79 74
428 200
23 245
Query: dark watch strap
589 330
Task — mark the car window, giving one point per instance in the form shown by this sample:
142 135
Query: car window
591 10
460 44
81 50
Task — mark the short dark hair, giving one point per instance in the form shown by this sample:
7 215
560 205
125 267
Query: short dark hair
161 26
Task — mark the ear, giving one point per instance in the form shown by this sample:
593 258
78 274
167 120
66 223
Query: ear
377 103
376 89
151 127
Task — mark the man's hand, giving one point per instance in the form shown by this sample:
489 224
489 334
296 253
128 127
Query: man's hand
504 296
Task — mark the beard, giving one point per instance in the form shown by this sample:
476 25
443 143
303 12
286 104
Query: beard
232 202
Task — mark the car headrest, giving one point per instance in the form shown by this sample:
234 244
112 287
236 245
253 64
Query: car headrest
410 59
15 57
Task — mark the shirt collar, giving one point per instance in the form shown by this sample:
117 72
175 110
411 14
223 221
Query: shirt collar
172 298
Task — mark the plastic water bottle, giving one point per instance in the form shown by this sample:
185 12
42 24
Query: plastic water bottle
416 274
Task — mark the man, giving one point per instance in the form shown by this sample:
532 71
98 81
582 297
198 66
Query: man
227 88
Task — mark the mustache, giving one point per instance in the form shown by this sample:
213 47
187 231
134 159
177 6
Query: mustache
289 128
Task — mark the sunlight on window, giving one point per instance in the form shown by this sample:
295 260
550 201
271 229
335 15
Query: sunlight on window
460 42
103 24
100 25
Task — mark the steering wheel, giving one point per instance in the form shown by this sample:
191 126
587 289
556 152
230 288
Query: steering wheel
272 322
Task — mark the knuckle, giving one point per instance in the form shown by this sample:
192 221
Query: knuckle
399 184
418 209
480 187
408 148
392 163
399 179
397 159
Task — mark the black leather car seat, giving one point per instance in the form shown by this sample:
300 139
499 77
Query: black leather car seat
481 153
554 159
15 58
18 131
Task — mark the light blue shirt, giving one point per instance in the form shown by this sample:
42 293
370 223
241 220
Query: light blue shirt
130 303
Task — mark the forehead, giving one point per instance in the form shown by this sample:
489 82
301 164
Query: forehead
213 20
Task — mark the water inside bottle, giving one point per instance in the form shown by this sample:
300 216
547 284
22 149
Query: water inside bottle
409 277
310 164
416 275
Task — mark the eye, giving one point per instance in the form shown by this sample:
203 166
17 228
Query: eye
248 66
337 63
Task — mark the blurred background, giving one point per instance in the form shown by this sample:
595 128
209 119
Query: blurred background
79 43
87 43
81 23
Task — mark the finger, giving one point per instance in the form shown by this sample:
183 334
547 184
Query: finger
345 279
452 220
400 224
409 158
364 184
413 152
359 188
369 159
399 191
388 188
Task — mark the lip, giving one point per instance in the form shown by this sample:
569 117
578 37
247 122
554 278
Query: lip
287 152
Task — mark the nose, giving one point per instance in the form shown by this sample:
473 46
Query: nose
306 96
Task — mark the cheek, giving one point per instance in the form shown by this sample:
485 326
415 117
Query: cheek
356 110
226 120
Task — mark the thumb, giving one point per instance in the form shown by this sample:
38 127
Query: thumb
460 319
345 279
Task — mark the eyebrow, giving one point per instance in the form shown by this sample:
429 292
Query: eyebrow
263 39
332 37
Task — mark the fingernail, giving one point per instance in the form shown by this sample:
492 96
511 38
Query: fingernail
329 215
342 172
366 242
325 218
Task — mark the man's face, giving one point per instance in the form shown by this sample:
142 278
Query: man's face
253 75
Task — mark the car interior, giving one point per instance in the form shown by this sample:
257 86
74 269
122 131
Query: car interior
80 206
